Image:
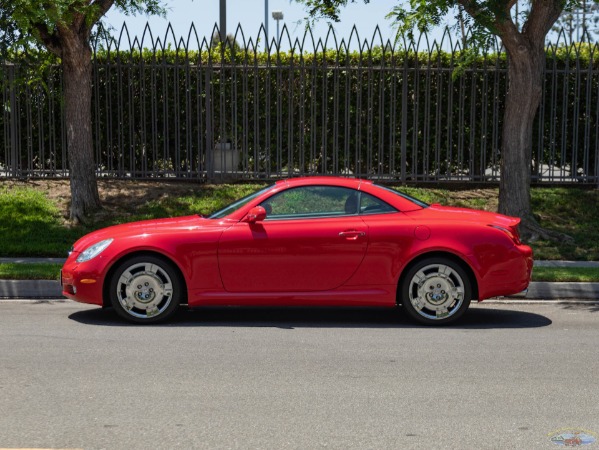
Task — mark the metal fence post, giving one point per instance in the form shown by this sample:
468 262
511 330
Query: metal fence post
404 119
13 162
209 135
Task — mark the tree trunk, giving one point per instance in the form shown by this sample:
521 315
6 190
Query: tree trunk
525 77
525 70
526 63
77 72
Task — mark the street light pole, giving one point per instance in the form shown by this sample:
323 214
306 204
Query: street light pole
223 21
278 15
266 21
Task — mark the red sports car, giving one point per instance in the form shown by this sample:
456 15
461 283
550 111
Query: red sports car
317 241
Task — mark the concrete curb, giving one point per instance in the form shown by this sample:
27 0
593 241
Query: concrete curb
27 260
46 289
15 289
543 290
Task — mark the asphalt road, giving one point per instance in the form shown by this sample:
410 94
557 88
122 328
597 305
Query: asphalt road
509 376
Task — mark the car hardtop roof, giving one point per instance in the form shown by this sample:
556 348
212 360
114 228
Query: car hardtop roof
324 180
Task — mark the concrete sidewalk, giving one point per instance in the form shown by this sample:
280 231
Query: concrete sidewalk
538 290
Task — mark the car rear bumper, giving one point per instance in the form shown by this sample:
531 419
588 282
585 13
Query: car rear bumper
511 277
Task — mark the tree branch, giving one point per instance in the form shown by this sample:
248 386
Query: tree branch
511 4
486 16
471 8
49 39
508 31
502 23
543 14
77 23
101 8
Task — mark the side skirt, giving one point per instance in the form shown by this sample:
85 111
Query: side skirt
365 296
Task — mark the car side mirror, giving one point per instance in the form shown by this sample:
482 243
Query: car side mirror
256 214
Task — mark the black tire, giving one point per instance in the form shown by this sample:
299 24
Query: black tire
436 291
145 289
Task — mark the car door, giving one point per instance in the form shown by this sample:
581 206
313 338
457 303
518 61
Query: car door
311 240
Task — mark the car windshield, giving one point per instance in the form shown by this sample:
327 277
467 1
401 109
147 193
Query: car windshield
406 196
238 204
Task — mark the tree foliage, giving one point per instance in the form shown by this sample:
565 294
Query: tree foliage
30 22
64 28
8 28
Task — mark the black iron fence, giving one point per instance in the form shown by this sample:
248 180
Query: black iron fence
392 111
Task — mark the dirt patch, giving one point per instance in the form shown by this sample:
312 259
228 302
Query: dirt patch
489 196
117 196
123 197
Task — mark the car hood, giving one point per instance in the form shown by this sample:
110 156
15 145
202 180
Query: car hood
154 226
450 213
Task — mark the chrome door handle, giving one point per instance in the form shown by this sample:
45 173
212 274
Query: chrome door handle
352 234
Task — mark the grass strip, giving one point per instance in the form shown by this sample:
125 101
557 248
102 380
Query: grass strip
570 274
48 271
30 271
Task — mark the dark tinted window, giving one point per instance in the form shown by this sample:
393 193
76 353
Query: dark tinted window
372 205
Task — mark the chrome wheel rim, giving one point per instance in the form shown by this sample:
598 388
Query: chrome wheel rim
436 291
144 290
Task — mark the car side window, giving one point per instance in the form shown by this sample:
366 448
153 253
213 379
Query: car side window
311 202
372 205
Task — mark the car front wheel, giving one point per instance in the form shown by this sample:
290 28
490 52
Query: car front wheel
436 291
145 289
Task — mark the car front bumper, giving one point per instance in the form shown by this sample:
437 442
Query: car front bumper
83 282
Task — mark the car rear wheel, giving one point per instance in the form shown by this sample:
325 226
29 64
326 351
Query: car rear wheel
145 289
436 291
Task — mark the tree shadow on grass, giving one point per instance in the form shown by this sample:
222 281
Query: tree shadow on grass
291 318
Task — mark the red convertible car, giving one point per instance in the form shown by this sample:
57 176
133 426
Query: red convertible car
317 241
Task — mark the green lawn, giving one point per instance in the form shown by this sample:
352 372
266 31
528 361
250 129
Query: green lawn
571 211
32 221
22 271
33 225
42 271
573 274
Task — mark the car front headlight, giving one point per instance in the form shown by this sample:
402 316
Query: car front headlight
94 250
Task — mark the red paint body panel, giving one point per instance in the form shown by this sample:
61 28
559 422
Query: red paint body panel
330 261
290 255
364 296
